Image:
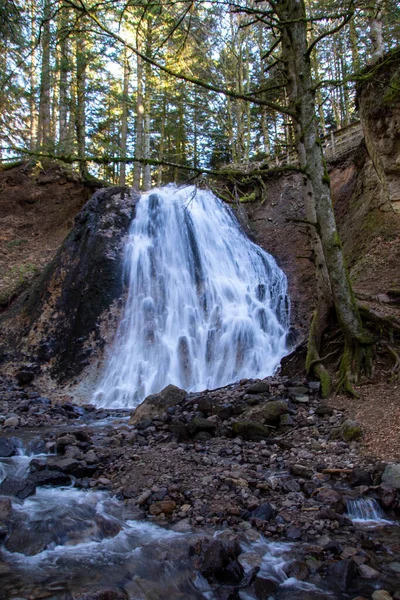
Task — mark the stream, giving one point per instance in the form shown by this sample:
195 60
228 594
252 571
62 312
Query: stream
67 543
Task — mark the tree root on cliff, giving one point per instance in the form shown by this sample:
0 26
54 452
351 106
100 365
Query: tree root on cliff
395 371
356 358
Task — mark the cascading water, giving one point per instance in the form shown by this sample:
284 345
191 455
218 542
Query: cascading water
365 510
205 305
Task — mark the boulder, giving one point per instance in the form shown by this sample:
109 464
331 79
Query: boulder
391 475
198 424
264 512
163 506
250 430
219 564
5 508
24 376
7 447
263 587
351 431
156 404
301 471
107 594
268 412
343 573
258 387
11 421
331 498
273 410
360 477
48 478
381 595
323 410
13 486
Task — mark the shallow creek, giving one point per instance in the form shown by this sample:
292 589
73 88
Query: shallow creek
64 542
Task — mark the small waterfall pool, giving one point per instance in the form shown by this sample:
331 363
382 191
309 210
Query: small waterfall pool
205 305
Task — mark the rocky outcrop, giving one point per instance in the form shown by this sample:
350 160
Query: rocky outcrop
379 103
57 324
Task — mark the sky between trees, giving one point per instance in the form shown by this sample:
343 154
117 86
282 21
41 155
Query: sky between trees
78 78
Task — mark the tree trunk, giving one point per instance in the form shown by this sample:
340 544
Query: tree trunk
332 274
80 115
375 27
147 115
124 117
162 141
137 169
64 69
44 133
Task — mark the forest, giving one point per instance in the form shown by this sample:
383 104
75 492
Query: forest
199 300
194 84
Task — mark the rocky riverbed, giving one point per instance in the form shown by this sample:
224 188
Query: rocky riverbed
257 490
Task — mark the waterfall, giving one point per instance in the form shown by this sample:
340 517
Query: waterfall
365 510
205 305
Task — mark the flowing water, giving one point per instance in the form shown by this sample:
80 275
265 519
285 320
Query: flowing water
205 305
366 511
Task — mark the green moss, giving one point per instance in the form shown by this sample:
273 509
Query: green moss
326 382
248 198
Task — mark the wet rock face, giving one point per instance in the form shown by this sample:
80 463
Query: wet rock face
62 312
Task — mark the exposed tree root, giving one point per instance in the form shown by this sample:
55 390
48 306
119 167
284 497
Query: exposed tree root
313 360
388 322
395 372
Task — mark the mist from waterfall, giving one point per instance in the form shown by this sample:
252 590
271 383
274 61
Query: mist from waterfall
205 305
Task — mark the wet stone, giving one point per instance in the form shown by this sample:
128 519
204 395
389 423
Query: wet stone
7 447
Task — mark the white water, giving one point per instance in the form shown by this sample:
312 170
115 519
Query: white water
205 306
367 511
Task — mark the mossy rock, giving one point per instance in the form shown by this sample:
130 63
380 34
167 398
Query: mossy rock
198 424
249 430
351 431
273 410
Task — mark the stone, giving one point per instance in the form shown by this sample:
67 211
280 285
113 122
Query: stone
395 566
5 508
7 447
263 587
219 564
107 594
199 424
350 431
391 475
163 506
11 422
265 512
293 533
303 399
381 595
13 486
142 499
24 376
360 477
250 430
65 440
273 410
286 421
301 471
258 387
343 573
156 404
367 572
47 477
331 498
298 390
315 386
323 410
297 569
